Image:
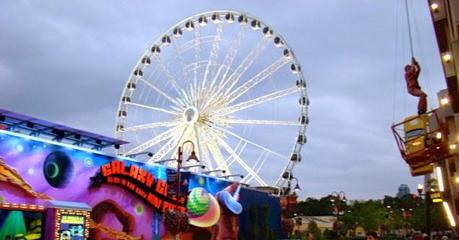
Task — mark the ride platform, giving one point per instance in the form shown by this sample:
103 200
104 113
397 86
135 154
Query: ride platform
422 140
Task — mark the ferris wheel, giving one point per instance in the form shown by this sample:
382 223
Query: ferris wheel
230 84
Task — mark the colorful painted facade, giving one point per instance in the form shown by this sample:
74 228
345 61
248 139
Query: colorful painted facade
127 199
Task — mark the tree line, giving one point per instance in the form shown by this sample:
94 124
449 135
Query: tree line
389 215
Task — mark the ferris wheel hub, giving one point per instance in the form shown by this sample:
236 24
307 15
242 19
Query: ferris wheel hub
190 115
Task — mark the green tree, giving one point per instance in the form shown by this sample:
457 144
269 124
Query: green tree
330 235
368 214
253 226
313 230
389 213
315 207
414 210
265 231
439 218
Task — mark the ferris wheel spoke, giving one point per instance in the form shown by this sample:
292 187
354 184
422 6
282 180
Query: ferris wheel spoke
197 43
259 100
191 44
192 94
250 142
149 126
240 147
197 55
231 55
164 150
172 144
224 67
179 56
218 157
258 122
246 63
216 152
150 143
170 77
257 166
187 134
260 161
239 150
152 108
254 81
242 163
213 53
158 90
188 98
202 150
198 140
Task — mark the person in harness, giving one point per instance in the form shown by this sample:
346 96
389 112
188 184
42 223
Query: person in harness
412 72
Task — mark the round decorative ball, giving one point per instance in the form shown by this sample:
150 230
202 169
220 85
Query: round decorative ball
198 201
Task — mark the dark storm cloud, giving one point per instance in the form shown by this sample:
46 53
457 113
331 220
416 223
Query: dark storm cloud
68 62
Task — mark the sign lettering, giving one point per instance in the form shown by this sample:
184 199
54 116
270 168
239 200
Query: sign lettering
141 183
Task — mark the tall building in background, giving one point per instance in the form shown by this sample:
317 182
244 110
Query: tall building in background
445 17
403 190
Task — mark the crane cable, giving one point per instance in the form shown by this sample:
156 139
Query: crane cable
408 21
421 47
409 27
397 49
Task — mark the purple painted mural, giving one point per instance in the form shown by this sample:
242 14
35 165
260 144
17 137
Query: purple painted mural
126 200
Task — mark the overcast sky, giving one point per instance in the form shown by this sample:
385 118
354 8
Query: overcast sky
67 62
